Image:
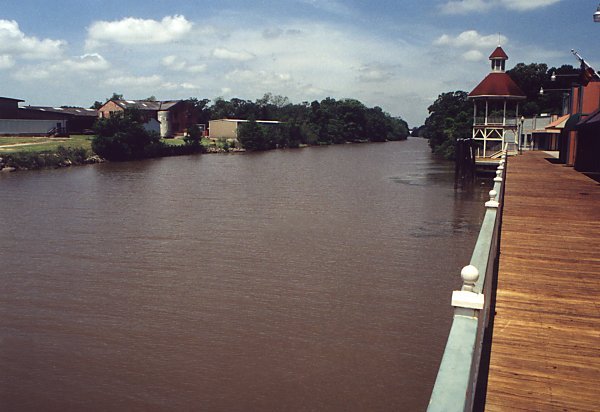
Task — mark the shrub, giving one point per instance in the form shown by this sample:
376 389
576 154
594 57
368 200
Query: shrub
123 137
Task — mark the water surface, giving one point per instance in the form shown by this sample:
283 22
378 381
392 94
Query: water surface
300 280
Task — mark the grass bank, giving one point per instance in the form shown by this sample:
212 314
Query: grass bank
25 153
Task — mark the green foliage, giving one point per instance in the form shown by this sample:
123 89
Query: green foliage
123 137
329 121
450 118
193 138
200 109
531 77
254 136
63 156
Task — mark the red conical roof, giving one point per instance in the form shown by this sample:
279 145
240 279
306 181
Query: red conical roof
498 54
498 84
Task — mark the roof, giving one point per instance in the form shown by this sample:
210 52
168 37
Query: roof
497 84
593 120
75 111
11 99
246 121
147 104
499 54
24 113
558 123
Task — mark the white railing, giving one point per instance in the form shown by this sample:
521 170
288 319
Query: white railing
495 121
459 373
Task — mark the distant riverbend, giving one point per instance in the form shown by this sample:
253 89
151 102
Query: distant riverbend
312 279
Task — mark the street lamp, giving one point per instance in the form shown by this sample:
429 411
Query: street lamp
597 15
542 91
553 75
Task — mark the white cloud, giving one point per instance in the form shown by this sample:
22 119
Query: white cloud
15 43
135 81
471 39
188 86
6 61
64 70
131 31
196 68
32 73
226 54
375 73
473 55
147 85
330 6
465 6
92 62
522 5
263 78
480 6
174 63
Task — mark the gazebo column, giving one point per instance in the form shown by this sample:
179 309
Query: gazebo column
486 112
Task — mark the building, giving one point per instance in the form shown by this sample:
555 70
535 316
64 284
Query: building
174 116
541 132
496 109
549 137
79 120
584 100
228 128
15 120
587 158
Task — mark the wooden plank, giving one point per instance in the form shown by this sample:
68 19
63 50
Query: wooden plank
546 340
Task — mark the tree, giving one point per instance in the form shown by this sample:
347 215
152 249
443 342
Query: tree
115 96
123 137
193 138
200 109
450 118
534 76
252 136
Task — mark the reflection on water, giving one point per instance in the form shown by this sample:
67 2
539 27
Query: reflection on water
313 279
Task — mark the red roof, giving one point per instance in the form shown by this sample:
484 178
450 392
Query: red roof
498 84
499 54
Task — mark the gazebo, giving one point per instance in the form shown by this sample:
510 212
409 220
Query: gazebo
496 109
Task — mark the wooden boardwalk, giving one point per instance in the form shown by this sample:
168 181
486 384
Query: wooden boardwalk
546 339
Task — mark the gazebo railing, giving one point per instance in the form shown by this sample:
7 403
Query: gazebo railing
495 121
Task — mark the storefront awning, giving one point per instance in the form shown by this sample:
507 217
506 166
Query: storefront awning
557 125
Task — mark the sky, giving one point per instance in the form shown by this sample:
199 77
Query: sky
399 55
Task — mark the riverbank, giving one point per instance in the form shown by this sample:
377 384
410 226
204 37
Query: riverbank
32 153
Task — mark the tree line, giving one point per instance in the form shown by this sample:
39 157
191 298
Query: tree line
328 121
451 114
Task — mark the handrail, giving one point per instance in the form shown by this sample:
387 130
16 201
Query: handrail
456 383
497 154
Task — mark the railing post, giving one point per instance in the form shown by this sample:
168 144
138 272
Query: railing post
492 203
466 297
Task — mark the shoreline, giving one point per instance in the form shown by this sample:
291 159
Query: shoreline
67 157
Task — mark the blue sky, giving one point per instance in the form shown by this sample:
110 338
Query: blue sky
399 55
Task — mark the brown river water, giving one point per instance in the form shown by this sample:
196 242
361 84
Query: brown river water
315 279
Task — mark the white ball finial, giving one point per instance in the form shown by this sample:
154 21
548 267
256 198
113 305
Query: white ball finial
492 203
498 177
469 275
